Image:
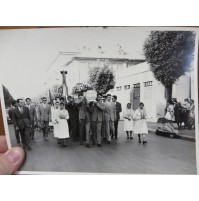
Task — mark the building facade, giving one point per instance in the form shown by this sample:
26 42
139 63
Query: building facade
134 83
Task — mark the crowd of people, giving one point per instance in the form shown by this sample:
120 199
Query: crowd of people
87 122
181 113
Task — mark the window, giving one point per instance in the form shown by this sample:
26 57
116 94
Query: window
126 87
111 90
137 85
149 83
119 88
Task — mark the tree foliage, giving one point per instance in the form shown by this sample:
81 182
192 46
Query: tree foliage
7 97
169 54
101 79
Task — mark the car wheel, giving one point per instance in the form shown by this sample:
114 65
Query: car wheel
172 135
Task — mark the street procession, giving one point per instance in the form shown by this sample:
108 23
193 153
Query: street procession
89 122
119 100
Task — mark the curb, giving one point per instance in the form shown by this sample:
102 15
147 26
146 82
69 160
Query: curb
181 137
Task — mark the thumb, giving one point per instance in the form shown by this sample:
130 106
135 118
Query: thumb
11 160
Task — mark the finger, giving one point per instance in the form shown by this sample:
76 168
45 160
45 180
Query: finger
11 160
3 144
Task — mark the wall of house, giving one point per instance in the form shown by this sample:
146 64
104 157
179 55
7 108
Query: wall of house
151 92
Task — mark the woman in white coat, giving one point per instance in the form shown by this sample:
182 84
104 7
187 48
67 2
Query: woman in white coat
62 125
128 120
140 123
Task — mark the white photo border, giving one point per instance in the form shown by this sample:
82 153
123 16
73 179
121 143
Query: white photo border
196 30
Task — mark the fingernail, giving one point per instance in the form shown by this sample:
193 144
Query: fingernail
14 155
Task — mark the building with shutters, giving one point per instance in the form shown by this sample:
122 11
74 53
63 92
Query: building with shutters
134 83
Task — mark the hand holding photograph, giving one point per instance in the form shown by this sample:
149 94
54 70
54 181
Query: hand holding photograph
101 99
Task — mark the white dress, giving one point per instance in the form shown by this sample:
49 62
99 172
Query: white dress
55 117
140 124
128 124
61 130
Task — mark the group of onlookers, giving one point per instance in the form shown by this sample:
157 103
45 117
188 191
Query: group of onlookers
181 113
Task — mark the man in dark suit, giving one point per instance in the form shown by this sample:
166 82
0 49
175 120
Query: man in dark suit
33 117
44 114
21 121
84 120
109 117
10 115
97 117
73 121
118 110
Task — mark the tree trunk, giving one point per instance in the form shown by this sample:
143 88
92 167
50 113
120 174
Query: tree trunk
168 92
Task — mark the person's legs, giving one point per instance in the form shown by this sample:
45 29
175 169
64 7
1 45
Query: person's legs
107 128
93 129
23 138
99 129
70 127
116 128
127 133
139 137
103 131
88 128
112 129
43 128
75 129
46 123
28 137
143 137
17 136
81 130
32 131
131 135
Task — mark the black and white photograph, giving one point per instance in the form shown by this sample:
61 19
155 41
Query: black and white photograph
109 100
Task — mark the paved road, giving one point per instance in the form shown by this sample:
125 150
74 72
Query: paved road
161 155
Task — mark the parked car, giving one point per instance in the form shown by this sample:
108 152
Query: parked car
9 120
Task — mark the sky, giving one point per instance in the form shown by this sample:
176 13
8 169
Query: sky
28 56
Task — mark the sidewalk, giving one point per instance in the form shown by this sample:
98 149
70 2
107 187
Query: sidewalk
183 134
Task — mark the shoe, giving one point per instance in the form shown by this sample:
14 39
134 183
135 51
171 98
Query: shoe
99 145
29 148
112 137
88 146
144 142
47 139
139 141
104 139
63 145
127 137
131 138
109 142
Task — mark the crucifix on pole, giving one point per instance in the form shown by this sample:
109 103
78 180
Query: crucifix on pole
64 84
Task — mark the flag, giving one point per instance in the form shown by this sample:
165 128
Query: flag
50 97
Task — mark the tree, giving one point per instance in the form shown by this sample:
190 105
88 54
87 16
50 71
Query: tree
101 79
170 55
7 97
